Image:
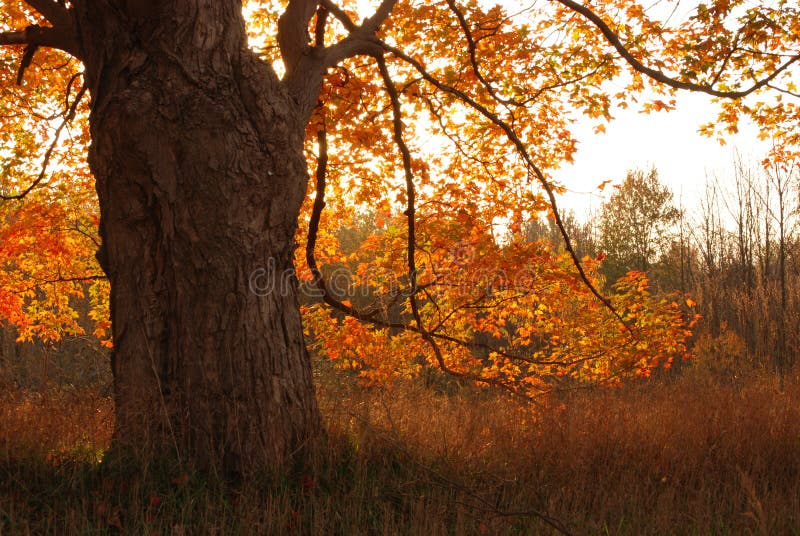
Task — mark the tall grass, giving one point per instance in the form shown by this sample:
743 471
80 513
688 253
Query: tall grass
674 455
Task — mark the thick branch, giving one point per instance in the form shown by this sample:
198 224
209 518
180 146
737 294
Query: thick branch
55 13
14 38
319 29
661 77
356 44
340 15
293 37
34 35
371 24
361 39
306 64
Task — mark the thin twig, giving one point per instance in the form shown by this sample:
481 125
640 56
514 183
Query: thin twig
70 114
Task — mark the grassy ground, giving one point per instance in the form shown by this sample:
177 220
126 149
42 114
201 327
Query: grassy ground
690 455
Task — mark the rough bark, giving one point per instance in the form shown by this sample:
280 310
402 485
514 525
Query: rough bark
198 155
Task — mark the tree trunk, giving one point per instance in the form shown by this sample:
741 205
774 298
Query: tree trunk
198 156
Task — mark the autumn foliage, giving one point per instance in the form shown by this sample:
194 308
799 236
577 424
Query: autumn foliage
515 314
448 145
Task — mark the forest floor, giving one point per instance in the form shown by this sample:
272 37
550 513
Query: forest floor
680 454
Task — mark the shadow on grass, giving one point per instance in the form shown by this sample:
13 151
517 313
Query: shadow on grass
677 456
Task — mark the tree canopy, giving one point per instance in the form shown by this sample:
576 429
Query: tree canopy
456 113
444 120
636 224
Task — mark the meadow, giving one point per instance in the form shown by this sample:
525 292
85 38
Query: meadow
695 453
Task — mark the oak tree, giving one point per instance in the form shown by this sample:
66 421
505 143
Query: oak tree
446 117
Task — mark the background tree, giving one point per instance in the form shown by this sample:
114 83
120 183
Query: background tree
637 224
200 148
744 246
581 233
782 211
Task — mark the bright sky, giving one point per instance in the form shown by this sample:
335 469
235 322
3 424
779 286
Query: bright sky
667 140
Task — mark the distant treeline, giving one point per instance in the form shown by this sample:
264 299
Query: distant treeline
737 254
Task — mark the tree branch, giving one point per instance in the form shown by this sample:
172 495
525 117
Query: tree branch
55 12
371 24
39 283
34 35
371 317
661 77
356 44
529 163
319 29
410 212
361 39
293 37
340 15
397 127
306 64
473 59
784 90
68 116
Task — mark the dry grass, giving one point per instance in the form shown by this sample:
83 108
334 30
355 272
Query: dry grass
54 423
687 455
